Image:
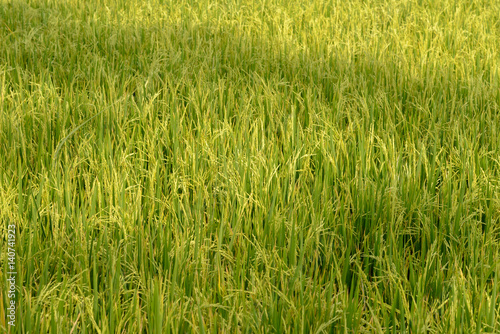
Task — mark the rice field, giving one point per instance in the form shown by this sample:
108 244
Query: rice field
250 166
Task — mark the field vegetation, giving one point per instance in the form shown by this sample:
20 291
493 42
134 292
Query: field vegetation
251 166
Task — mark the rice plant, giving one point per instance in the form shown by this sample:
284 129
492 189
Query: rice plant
241 166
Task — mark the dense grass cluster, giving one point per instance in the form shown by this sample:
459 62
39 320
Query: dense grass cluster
246 166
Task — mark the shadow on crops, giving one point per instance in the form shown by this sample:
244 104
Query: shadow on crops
132 54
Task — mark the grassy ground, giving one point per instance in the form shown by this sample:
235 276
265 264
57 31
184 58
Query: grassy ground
251 166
